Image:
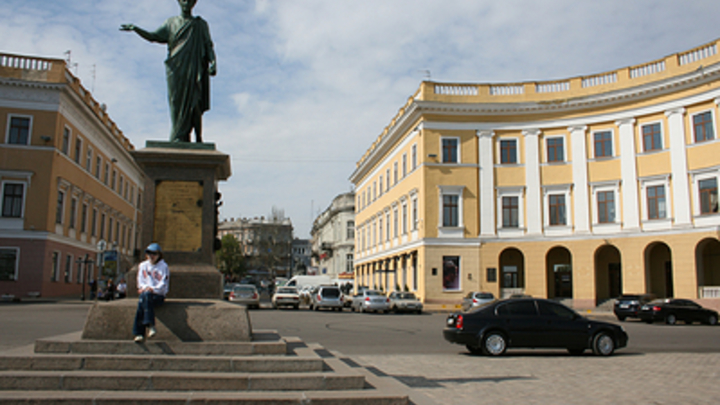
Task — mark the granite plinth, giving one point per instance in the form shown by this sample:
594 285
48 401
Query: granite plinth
176 320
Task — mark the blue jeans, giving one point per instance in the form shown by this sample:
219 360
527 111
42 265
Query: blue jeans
145 315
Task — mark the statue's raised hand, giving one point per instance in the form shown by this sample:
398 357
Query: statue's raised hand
127 27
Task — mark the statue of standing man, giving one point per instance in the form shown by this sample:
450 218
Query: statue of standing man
190 62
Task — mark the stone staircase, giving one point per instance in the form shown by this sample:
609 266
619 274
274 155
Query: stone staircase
267 370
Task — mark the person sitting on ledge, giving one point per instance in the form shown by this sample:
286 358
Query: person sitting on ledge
153 281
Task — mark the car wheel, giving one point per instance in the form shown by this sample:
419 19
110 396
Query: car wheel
712 320
603 344
621 318
671 319
297 306
494 344
352 309
419 311
576 352
474 350
316 307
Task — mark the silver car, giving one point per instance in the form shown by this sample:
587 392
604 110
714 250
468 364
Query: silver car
405 302
476 299
245 294
327 296
370 300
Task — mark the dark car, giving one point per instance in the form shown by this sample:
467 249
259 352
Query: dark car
531 323
673 310
628 305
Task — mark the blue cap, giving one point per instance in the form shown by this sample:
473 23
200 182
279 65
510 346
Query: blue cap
153 247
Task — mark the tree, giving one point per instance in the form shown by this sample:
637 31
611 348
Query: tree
230 259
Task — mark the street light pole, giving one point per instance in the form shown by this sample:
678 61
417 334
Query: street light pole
85 261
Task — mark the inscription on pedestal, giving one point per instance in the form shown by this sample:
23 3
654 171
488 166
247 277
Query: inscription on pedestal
178 215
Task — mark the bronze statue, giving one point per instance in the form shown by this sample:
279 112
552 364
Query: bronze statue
190 62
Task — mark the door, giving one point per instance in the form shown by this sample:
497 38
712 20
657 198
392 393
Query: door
615 279
520 319
561 326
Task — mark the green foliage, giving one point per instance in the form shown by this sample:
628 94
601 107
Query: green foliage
230 259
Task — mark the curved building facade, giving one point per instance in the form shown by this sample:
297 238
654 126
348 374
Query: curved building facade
579 189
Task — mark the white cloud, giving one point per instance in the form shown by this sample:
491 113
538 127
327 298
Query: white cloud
304 87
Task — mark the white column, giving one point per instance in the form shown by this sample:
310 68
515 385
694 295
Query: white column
532 181
678 164
487 183
631 207
580 178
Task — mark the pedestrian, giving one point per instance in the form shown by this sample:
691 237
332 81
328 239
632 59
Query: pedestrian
93 289
110 290
121 289
153 280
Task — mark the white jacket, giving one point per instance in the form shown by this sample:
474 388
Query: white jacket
155 276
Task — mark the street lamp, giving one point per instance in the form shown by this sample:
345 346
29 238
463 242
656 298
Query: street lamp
85 261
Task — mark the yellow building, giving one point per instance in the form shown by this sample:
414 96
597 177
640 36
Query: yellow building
578 189
67 181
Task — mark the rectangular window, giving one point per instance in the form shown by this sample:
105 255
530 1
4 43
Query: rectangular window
68 268
556 149
107 173
491 274
703 127
12 203
73 213
114 180
8 264
102 226
387 177
66 141
98 166
78 150
450 150
88 160
380 229
557 209
414 214
55 271
60 207
603 144
708 196
606 207
656 202
350 234
450 211
110 230
395 172
19 131
83 218
652 138
510 212
508 151
120 185
381 186
413 157
404 165
93 230
387 228
349 263
451 273
404 219
396 219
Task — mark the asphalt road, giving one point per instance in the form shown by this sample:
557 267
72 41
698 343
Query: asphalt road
347 332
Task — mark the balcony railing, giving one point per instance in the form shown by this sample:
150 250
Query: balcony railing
24 62
709 292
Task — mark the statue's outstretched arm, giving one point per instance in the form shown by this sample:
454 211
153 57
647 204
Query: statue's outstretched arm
156 36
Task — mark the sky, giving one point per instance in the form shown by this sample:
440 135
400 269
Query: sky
305 86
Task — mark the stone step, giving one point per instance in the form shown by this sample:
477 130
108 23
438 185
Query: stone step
158 347
176 381
238 364
353 397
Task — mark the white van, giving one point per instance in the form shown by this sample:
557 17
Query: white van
301 281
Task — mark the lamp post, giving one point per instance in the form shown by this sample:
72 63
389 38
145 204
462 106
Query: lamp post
101 246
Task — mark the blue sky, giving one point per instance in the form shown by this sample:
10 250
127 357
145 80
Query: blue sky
304 87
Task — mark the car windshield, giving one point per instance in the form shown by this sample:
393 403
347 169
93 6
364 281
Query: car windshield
244 288
484 296
286 290
330 292
406 296
373 293
628 298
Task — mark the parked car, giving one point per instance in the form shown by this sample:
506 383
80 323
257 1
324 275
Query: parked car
476 299
405 302
286 296
531 323
327 296
628 305
370 300
673 310
227 289
245 294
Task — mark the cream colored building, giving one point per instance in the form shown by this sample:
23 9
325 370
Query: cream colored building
67 179
578 189
333 238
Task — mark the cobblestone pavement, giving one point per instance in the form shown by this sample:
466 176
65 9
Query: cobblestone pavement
557 378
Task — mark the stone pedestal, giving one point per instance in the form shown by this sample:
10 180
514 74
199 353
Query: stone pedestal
179 211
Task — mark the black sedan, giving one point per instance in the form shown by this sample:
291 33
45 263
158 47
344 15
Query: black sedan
628 305
531 323
672 310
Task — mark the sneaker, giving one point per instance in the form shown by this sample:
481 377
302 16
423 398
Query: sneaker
139 339
152 332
